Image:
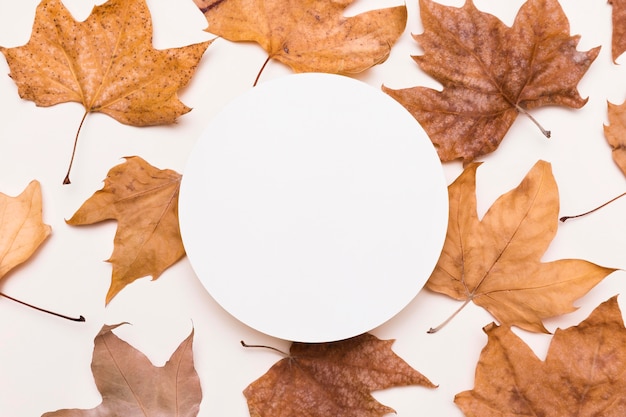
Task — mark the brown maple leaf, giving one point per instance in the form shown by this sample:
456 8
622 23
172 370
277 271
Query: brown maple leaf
132 387
496 262
309 35
331 379
618 38
615 133
584 373
107 63
144 201
490 72
22 229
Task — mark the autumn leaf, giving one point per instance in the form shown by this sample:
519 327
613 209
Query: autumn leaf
584 373
309 35
107 63
22 229
131 386
496 262
491 72
331 379
615 133
144 201
618 38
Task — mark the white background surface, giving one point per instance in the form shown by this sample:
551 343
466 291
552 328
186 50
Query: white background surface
45 361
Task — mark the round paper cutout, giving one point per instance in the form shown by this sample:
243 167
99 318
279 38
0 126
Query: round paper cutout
313 208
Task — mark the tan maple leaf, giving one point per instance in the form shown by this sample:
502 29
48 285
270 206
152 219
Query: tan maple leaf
615 133
331 379
132 387
618 38
496 261
22 229
491 72
144 201
107 63
309 35
583 375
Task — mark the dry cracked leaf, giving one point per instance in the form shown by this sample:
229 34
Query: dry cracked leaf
22 229
615 133
491 72
107 63
496 261
331 379
584 373
144 201
309 35
132 387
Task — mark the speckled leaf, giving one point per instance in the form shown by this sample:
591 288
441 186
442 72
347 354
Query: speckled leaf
107 63
490 72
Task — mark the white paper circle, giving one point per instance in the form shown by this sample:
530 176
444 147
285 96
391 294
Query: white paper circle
313 208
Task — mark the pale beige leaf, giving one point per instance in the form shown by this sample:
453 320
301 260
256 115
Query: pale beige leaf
22 229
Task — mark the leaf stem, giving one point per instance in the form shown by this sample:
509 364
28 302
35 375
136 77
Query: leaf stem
564 218
522 110
244 344
441 326
66 180
256 80
81 318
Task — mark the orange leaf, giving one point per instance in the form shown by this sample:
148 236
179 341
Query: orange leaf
331 379
21 227
132 387
107 63
496 262
584 373
615 133
309 35
490 72
144 201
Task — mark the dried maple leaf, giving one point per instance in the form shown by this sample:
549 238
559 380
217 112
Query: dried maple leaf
615 133
496 262
618 39
107 63
131 386
309 35
144 201
331 379
584 373
490 72
22 229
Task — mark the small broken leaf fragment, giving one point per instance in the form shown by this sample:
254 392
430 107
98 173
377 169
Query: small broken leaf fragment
309 35
331 379
131 386
22 229
490 72
584 373
496 262
144 201
615 133
107 63
618 37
